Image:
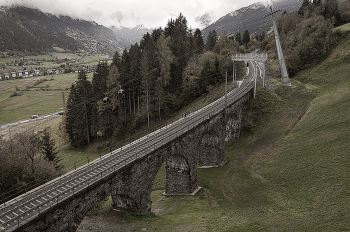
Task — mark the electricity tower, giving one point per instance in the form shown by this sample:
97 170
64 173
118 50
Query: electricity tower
284 72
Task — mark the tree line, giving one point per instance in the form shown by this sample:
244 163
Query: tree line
168 69
307 36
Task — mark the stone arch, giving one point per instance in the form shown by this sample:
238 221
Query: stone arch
67 215
124 201
81 206
133 186
178 175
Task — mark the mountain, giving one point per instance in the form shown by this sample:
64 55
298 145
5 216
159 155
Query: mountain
30 31
131 35
249 18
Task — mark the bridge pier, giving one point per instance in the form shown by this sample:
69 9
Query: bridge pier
181 165
233 124
212 143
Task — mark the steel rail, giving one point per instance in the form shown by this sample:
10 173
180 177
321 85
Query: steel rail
27 205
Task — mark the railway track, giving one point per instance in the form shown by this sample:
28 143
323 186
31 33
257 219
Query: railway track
30 204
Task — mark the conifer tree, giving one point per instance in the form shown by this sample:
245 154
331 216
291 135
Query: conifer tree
330 9
165 57
218 77
238 38
135 63
304 6
246 37
211 40
48 149
206 78
179 47
116 60
79 111
99 79
198 38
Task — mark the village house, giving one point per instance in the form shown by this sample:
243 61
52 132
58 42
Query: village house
26 73
50 71
13 74
0 76
37 72
20 73
6 76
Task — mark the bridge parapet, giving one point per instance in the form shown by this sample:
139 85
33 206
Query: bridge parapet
261 57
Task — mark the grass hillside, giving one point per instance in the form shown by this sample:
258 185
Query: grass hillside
290 172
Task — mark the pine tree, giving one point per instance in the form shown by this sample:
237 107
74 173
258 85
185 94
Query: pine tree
198 38
125 69
99 79
304 6
116 60
206 78
246 37
219 78
48 149
146 76
79 111
135 62
156 33
169 29
179 47
211 40
191 42
238 38
165 57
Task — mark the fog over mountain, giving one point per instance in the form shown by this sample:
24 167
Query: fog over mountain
130 14
250 18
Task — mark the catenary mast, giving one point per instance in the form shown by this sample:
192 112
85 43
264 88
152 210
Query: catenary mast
285 78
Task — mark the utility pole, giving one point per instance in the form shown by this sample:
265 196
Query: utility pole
64 102
285 77
226 97
234 74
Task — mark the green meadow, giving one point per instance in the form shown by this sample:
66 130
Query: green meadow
45 98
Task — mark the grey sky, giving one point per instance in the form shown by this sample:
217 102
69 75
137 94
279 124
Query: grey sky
130 13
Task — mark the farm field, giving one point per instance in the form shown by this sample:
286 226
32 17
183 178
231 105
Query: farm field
55 60
43 98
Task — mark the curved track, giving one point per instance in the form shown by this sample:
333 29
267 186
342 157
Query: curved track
30 204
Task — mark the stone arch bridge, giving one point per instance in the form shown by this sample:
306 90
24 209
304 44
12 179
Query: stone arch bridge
127 174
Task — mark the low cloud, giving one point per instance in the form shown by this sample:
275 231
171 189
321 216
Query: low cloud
152 13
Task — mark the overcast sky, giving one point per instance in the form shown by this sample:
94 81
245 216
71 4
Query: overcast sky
130 13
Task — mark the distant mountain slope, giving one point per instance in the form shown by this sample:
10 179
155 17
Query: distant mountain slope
32 31
249 18
131 35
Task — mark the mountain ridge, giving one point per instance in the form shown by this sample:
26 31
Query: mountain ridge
249 18
28 30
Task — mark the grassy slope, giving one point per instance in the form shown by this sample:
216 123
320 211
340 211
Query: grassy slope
345 27
291 173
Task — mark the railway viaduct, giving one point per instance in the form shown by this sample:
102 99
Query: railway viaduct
127 174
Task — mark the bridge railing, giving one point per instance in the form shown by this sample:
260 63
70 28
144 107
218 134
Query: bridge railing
61 188
250 56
